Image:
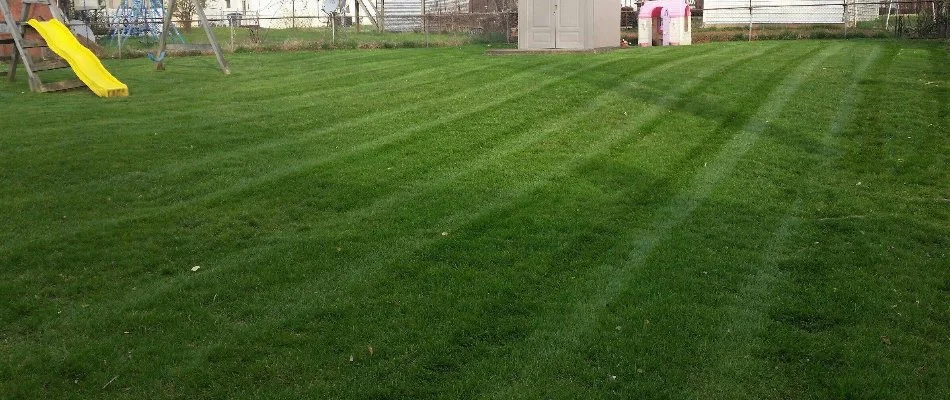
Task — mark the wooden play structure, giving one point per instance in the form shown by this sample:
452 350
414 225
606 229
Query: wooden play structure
568 24
664 23
24 42
40 41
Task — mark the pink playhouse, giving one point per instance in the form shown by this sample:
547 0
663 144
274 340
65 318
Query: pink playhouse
664 23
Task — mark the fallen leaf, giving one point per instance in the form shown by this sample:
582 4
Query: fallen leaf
370 348
195 268
886 340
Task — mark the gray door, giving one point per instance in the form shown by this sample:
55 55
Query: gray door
543 23
569 24
556 24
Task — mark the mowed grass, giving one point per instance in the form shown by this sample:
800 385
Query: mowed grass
736 220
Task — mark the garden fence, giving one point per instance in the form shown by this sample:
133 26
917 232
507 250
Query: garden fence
453 22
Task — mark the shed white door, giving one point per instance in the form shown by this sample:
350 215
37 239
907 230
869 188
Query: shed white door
556 23
568 34
542 23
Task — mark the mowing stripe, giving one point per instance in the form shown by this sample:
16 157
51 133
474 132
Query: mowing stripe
358 217
432 75
301 297
340 281
244 152
425 186
513 193
369 146
297 140
152 99
276 99
846 106
518 192
442 119
614 279
748 315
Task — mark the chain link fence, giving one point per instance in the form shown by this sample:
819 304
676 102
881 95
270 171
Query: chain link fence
131 27
716 20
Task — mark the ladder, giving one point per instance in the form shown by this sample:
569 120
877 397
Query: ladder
16 29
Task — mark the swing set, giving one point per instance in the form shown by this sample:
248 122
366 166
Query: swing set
34 42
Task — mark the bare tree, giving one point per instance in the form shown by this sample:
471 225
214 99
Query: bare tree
185 11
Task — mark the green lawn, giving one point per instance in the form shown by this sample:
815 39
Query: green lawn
734 220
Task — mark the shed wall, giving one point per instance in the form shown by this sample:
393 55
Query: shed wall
606 24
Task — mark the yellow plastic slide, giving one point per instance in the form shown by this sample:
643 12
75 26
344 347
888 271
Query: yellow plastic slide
84 63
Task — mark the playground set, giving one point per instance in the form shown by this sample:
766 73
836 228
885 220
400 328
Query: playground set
41 42
139 18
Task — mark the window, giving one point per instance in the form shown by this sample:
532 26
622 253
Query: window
227 3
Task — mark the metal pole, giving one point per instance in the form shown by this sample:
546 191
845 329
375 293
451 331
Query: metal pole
425 26
381 10
119 39
846 18
750 20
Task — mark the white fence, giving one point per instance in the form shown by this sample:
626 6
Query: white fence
734 12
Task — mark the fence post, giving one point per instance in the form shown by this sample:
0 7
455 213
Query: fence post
425 27
887 20
750 20
847 18
381 15
507 27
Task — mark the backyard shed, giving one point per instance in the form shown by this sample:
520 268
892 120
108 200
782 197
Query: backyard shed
568 24
664 22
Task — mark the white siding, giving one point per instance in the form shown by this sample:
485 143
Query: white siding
405 15
736 12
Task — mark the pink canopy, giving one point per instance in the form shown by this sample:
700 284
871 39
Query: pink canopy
677 8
